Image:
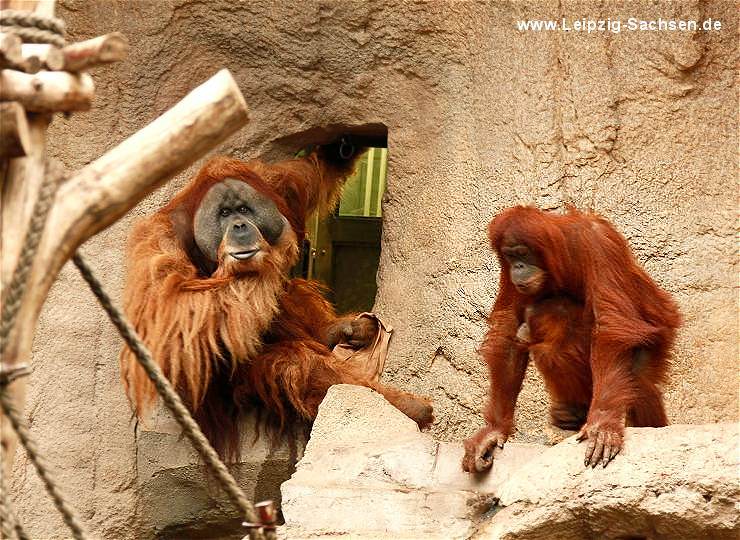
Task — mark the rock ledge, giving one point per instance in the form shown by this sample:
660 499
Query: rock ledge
368 472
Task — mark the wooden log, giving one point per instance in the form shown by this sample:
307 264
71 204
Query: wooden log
95 52
20 184
10 51
47 91
31 65
15 140
48 56
17 198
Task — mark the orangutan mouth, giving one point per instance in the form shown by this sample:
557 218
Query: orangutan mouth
244 255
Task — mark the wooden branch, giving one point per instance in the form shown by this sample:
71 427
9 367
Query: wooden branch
47 91
15 140
48 56
94 52
109 187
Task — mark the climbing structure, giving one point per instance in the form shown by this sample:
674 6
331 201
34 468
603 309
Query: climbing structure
47 214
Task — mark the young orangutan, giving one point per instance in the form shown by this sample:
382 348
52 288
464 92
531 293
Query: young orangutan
600 331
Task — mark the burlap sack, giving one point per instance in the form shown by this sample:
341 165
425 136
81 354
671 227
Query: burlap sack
370 359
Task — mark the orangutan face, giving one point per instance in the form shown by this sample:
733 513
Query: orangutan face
237 225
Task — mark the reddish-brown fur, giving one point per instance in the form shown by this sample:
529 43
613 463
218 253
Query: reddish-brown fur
601 331
559 345
231 339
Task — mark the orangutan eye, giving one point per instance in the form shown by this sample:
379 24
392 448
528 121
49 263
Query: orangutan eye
242 209
224 212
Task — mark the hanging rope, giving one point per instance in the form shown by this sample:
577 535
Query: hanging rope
32 27
11 305
12 300
10 527
173 402
42 469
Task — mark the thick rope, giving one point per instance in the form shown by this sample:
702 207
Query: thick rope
11 306
8 524
32 28
16 17
42 468
34 35
14 294
172 400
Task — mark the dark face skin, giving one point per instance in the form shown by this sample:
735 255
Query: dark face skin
525 271
240 217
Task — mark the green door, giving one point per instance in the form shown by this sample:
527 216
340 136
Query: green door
344 249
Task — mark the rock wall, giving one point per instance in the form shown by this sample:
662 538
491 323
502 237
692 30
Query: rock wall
640 126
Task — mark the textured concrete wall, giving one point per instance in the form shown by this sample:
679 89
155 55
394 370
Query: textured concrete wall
639 126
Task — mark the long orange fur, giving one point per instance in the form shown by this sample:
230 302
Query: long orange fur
231 340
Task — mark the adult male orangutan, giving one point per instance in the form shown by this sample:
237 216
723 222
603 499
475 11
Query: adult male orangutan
572 297
208 290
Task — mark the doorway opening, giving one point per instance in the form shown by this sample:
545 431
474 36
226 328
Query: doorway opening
343 250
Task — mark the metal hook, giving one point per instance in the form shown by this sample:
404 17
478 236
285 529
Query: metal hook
346 148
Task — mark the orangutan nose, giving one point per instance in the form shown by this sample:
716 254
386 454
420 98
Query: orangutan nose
243 233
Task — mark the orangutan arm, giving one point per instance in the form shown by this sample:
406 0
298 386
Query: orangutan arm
305 312
300 372
315 181
507 363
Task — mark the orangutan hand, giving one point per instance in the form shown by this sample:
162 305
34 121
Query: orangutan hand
480 449
357 332
605 436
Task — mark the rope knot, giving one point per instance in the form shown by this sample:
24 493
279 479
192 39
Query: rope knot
9 373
